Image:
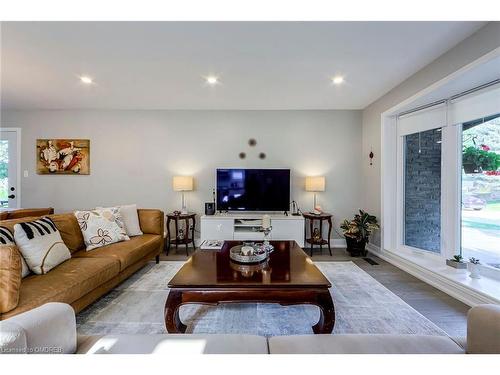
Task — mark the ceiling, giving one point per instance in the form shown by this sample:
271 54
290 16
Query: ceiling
261 65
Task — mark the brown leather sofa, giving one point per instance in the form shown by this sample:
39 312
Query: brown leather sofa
25 212
85 277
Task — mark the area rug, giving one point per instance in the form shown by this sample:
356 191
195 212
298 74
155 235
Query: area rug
362 305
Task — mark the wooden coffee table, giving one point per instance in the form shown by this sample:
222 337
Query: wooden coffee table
288 278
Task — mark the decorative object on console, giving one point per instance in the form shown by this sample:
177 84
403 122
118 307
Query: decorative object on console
183 184
357 232
295 209
41 245
474 268
98 230
316 233
456 262
266 229
212 245
315 184
7 238
210 208
63 156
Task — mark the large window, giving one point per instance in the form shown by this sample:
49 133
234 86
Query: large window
447 179
480 211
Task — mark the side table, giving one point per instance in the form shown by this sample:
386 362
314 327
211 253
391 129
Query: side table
318 241
175 237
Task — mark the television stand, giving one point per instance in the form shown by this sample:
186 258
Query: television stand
245 227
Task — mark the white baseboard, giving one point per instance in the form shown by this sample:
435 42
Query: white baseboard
459 291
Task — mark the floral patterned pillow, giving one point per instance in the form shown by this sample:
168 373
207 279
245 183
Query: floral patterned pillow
114 214
99 230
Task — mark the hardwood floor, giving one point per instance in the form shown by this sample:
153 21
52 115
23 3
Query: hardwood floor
446 312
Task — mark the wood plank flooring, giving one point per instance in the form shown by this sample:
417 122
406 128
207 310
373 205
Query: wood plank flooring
446 312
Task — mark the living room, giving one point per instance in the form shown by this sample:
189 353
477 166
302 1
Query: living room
260 186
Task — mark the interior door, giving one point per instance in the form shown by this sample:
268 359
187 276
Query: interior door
8 169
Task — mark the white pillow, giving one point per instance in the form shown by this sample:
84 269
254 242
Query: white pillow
7 238
97 230
113 214
130 218
41 245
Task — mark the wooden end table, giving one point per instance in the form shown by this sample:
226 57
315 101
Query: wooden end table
187 238
321 241
289 277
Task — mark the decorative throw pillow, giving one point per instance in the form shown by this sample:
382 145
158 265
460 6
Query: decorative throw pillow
97 230
7 238
41 245
113 214
131 219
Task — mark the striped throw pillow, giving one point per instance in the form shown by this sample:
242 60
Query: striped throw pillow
41 244
7 238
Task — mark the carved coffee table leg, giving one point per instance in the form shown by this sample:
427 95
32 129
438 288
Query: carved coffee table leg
172 320
326 313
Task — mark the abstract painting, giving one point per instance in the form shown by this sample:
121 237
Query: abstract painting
63 156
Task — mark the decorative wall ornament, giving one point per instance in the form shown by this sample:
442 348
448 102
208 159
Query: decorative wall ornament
262 155
242 155
252 142
63 156
371 155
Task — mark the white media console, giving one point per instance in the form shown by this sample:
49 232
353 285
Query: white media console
243 227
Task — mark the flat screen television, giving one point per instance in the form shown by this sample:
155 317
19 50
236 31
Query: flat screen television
253 189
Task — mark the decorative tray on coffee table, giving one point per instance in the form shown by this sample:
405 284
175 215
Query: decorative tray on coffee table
243 254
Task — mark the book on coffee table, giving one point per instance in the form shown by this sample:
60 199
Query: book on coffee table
212 245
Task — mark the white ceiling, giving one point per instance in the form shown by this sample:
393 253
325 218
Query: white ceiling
261 65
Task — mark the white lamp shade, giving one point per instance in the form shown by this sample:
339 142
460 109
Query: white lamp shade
316 183
182 183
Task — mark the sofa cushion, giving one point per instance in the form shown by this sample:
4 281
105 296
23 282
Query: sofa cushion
99 228
67 282
10 277
173 344
151 221
70 231
363 344
127 252
41 244
7 238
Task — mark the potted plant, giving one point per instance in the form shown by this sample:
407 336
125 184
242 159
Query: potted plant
478 159
456 262
357 232
474 268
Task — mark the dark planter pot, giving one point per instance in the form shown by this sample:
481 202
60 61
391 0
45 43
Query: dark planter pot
356 248
470 168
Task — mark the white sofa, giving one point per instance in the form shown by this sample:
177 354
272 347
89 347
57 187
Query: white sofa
51 328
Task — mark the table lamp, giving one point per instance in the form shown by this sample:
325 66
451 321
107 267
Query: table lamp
315 184
182 184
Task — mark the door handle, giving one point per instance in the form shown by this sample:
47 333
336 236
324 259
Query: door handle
12 196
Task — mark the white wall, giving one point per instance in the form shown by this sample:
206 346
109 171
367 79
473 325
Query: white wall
134 154
483 41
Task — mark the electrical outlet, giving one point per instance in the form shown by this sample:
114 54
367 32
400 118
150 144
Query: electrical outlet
25 174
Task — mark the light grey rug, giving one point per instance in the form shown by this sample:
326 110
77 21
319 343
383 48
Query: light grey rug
362 305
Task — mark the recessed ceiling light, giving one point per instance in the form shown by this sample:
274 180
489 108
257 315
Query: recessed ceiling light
212 80
337 80
86 79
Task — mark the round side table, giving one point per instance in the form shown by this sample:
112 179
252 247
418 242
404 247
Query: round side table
174 237
318 241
